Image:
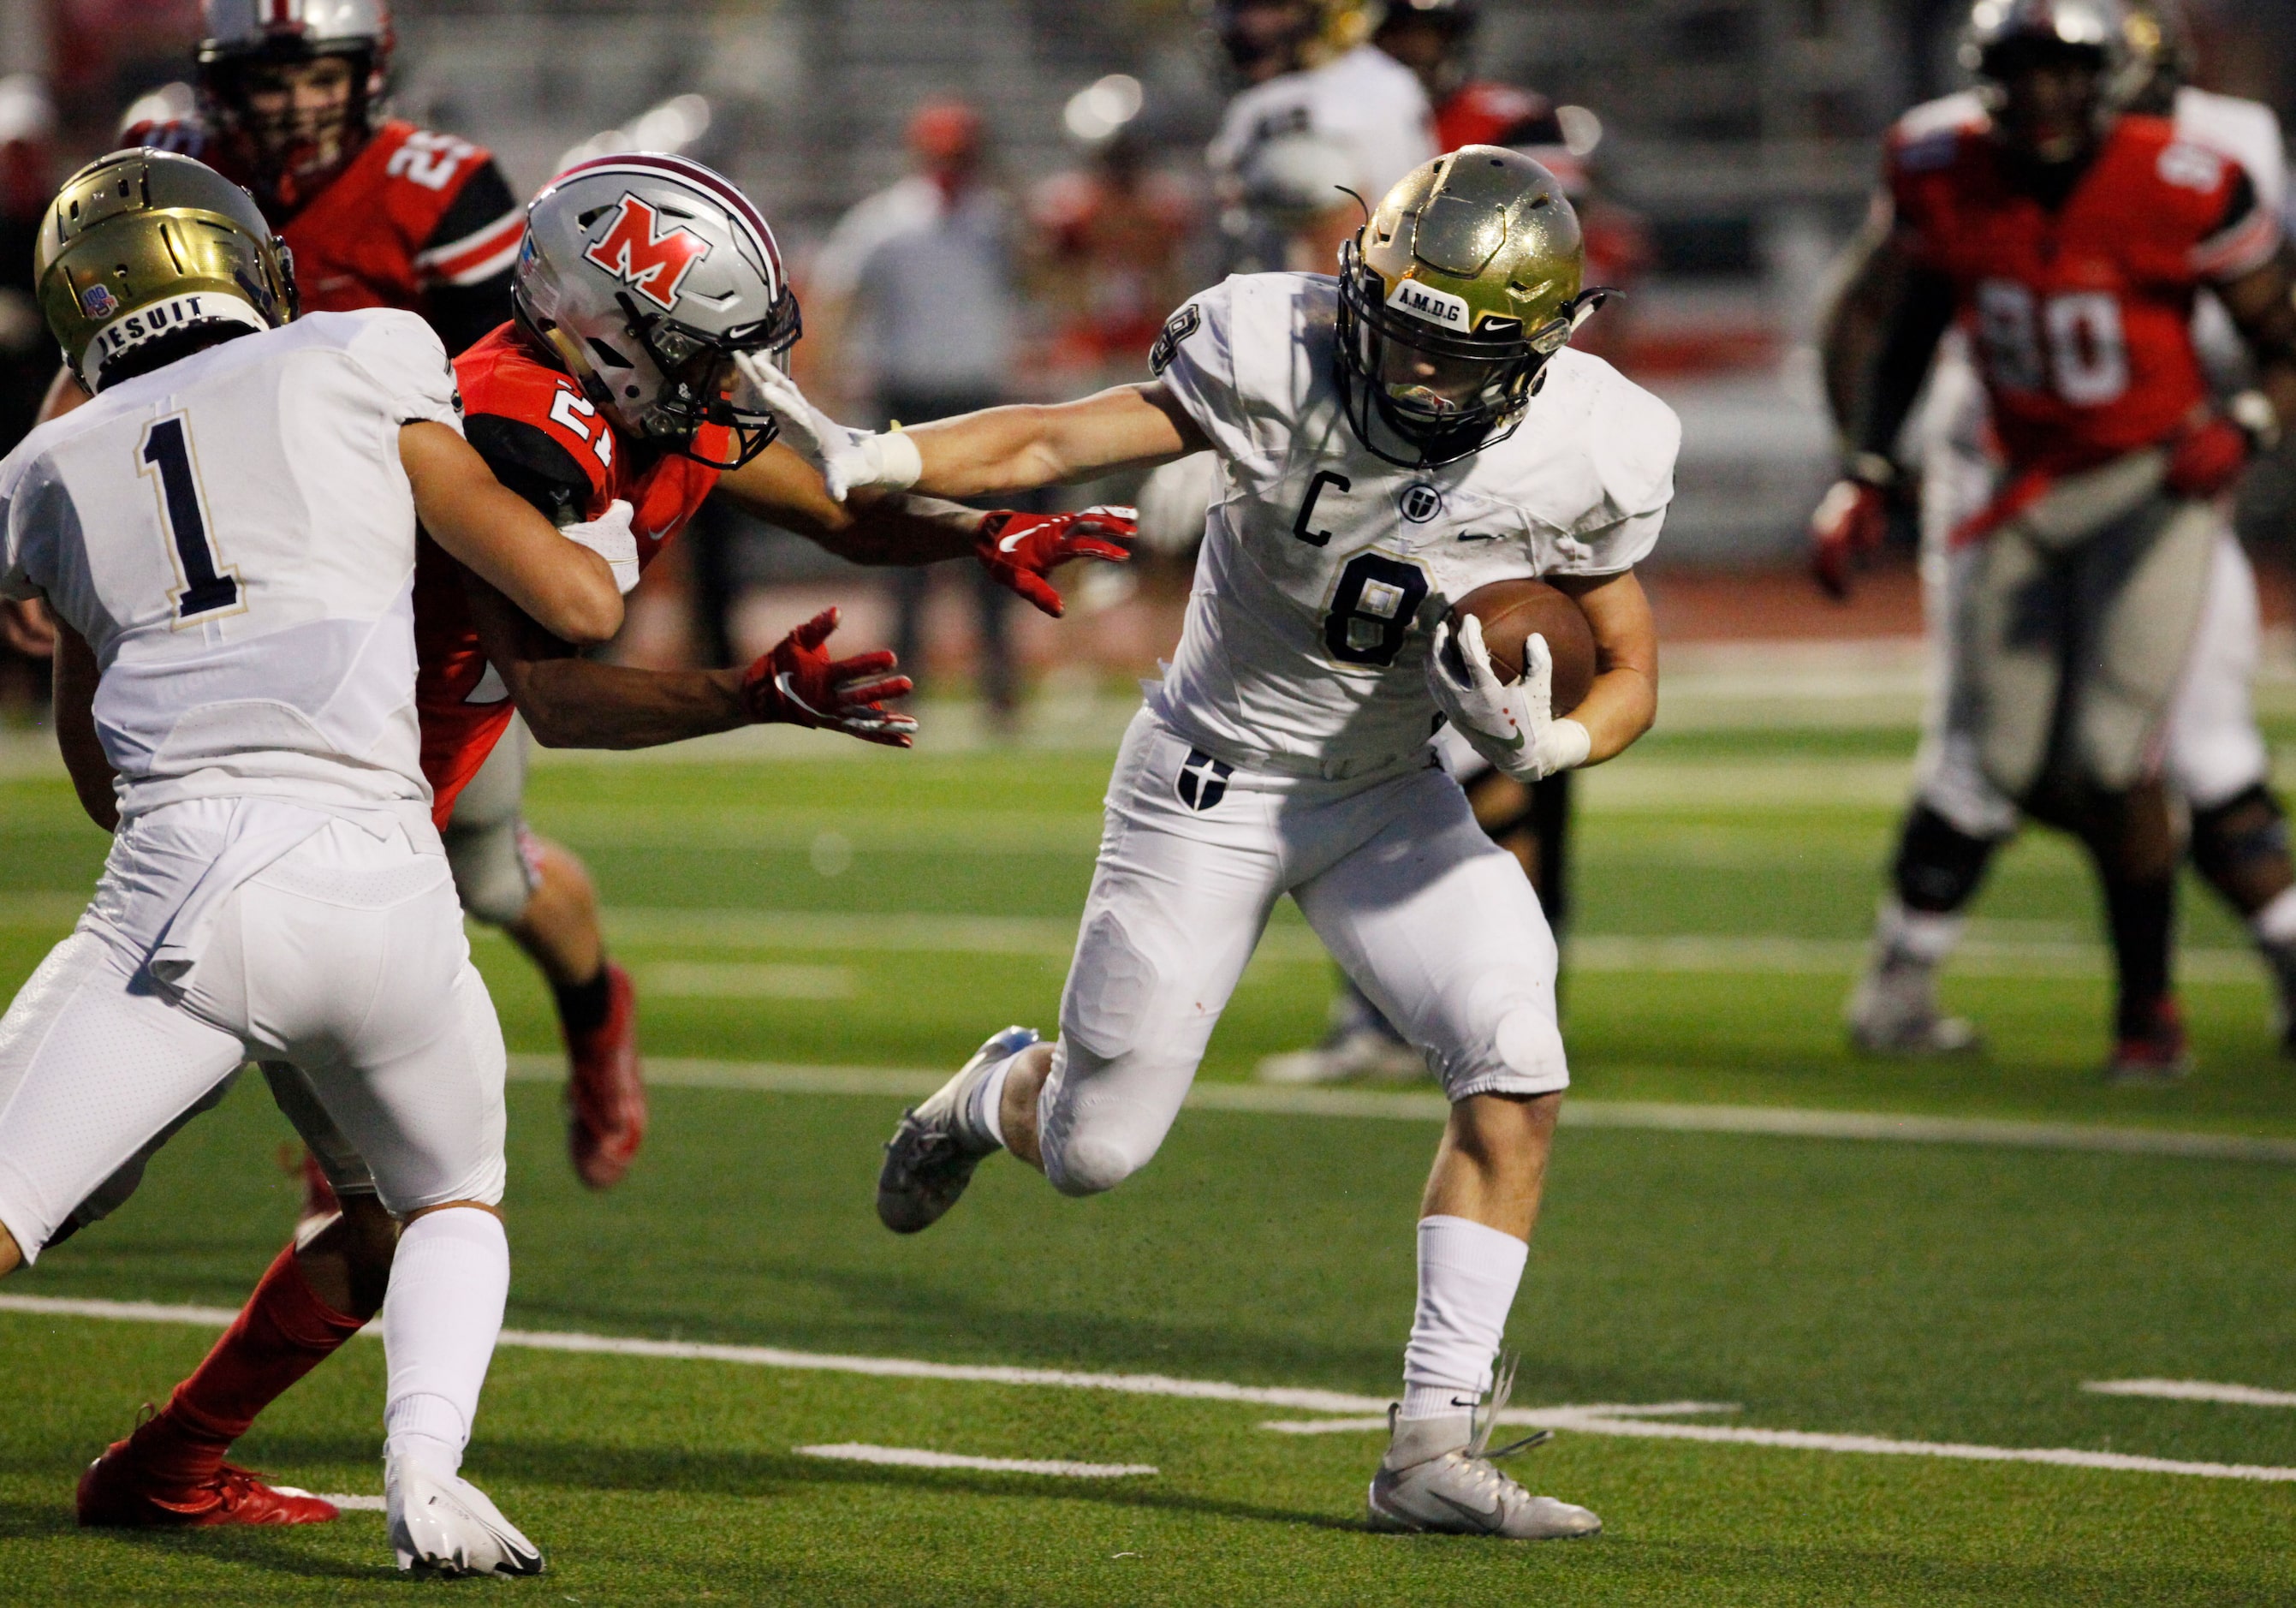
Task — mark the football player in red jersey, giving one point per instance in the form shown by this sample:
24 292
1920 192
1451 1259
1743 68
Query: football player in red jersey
2072 241
612 402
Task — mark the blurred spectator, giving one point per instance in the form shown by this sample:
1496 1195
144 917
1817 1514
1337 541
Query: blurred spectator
914 309
1107 258
28 356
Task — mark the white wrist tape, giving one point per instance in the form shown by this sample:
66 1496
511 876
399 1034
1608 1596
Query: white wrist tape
895 463
1567 744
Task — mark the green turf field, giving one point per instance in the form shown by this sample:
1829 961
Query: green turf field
885 912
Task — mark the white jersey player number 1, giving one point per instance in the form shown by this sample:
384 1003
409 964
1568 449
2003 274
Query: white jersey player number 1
208 588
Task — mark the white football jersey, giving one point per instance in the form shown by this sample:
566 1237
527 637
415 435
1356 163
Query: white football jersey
1325 568
234 537
1364 103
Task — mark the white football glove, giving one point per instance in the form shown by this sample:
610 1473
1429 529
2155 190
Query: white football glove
611 538
848 459
1509 725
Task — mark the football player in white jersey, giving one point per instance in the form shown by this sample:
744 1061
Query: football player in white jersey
226 535
1323 109
1387 442
2215 755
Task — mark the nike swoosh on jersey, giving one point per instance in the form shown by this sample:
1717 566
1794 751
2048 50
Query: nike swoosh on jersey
1012 541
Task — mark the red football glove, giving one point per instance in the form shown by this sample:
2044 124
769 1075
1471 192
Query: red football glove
2209 460
1850 525
1021 549
799 684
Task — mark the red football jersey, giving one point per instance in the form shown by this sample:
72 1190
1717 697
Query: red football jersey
414 216
2081 318
544 440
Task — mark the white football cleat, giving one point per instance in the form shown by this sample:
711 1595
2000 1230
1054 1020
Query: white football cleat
1353 1055
1438 1478
1894 1011
445 1523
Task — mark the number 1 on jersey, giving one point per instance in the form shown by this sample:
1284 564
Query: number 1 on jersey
208 588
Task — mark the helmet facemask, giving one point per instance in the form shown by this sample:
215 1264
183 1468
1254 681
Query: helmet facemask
698 383
316 116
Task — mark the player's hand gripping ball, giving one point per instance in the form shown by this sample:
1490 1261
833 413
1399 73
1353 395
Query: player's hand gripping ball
1512 721
799 684
1021 549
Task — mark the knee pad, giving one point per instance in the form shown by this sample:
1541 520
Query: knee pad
1090 1164
1939 865
494 868
2249 828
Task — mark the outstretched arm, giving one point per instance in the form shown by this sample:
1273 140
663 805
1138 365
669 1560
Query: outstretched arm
991 453
1007 449
500 538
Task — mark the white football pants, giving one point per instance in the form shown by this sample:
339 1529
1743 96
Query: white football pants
2212 750
345 958
1434 921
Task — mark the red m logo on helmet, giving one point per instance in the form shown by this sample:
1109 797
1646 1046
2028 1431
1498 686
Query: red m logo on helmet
642 255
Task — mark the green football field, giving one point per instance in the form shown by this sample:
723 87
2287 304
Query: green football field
1810 1329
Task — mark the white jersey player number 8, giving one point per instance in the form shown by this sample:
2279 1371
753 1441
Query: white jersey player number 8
209 588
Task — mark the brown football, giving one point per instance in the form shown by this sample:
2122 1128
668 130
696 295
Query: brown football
1513 611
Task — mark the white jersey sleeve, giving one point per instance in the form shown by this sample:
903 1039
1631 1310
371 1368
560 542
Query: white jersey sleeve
2246 131
1242 398
408 364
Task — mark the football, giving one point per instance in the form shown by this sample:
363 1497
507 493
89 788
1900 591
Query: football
1513 611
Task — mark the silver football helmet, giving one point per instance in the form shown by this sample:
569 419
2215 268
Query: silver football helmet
646 274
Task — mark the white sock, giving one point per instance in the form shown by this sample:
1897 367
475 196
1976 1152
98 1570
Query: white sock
2275 923
441 1319
1921 935
1467 1279
988 1105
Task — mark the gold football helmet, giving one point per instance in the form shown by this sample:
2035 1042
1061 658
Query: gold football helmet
143 249
1466 280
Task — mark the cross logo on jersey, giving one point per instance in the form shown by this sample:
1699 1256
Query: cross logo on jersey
650 260
1203 781
1421 503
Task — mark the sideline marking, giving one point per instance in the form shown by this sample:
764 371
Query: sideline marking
2193 1389
1595 1421
904 1456
350 1505
895 1083
1582 1420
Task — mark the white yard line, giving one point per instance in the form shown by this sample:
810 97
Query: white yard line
1364 1412
2193 1389
352 1505
904 1456
903 1083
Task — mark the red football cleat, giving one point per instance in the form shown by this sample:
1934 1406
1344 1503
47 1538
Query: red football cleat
115 1493
606 1094
2156 1057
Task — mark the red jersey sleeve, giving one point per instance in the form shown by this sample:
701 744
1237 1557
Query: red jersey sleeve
536 431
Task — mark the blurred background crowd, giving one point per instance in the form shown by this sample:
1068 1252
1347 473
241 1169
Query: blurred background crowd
1000 199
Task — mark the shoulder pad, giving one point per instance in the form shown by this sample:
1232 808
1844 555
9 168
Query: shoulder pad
1633 439
1948 114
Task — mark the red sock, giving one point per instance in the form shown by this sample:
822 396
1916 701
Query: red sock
283 1333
